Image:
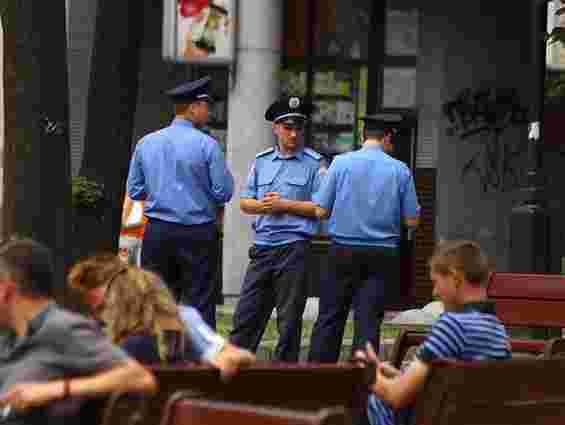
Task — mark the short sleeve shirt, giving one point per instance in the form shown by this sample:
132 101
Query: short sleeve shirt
474 333
296 177
58 344
368 193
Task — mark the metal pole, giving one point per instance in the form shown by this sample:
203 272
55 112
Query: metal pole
529 224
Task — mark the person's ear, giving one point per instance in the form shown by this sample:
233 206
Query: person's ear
8 291
458 278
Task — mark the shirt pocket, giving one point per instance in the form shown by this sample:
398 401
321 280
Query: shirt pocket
265 183
296 187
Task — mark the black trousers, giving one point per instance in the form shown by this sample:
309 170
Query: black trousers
275 277
357 277
186 257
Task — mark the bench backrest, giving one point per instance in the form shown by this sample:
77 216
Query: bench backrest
521 391
189 411
306 387
524 299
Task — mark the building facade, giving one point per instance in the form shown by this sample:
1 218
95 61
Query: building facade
432 61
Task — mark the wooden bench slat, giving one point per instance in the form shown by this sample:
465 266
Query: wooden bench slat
306 387
527 286
494 392
207 412
527 313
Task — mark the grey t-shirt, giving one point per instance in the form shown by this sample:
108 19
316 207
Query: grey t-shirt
58 344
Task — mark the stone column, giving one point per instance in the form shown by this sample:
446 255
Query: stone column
255 85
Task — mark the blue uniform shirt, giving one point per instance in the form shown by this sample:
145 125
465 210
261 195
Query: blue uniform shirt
368 193
181 173
296 177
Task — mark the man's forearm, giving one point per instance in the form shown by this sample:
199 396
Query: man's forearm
302 208
127 377
251 206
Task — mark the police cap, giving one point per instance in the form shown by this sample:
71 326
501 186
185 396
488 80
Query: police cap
291 110
388 123
192 91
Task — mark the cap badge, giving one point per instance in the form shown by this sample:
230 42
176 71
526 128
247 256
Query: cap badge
294 102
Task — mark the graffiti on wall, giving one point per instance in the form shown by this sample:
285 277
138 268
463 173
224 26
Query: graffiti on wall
482 116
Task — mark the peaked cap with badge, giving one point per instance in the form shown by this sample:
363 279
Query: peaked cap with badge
291 110
193 91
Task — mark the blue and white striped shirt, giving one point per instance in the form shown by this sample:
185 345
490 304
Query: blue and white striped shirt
474 333
470 334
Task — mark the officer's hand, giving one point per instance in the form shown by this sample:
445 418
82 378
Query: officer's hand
272 195
279 205
268 202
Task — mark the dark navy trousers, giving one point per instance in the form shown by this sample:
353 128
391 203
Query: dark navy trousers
276 278
357 278
186 257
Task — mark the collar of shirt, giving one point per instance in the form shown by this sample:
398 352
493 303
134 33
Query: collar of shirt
37 322
278 155
485 306
182 122
372 146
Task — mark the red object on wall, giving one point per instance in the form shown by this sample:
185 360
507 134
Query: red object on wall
190 8
554 127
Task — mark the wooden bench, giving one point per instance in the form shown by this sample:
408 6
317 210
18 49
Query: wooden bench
509 392
181 409
521 300
301 387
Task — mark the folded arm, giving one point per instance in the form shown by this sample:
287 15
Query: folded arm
128 376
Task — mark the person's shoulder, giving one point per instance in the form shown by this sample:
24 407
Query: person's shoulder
312 154
69 320
398 164
153 137
265 153
448 319
63 326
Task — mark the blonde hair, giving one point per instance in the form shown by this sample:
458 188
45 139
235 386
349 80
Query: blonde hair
95 271
137 301
462 256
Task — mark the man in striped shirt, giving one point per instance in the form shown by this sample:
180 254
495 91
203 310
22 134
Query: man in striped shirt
468 331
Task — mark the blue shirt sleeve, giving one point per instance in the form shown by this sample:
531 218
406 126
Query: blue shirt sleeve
446 340
250 190
318 179
409 199
325 196
136 179
205 344
220 176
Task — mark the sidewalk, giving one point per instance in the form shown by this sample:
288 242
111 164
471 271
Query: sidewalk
269 341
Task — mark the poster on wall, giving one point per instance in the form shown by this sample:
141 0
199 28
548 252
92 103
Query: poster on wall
199 31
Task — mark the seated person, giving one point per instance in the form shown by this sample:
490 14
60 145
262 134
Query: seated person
51 354
95 278
468 331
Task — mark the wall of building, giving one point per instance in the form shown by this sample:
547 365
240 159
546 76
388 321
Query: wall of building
81 19
472 45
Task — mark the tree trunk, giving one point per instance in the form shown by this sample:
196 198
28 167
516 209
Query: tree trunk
38 190
112 103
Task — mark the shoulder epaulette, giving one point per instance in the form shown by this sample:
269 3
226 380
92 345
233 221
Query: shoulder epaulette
265 152
312 153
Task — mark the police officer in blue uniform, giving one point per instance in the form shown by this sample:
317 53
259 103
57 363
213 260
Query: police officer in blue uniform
367 196
279 192
181 174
